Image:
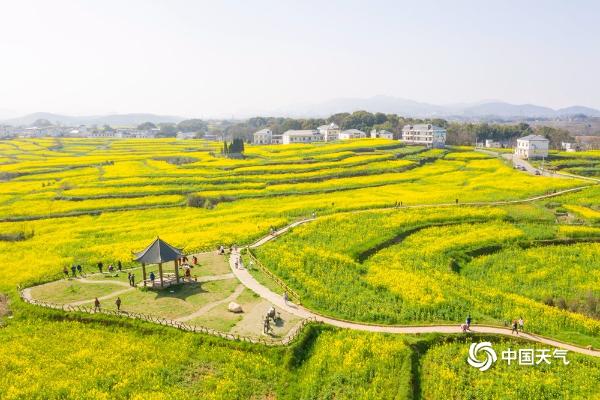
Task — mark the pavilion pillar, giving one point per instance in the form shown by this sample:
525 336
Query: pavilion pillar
144 273
160 274
176 263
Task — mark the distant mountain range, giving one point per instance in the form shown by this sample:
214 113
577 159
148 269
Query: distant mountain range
411 108
484 110
112 119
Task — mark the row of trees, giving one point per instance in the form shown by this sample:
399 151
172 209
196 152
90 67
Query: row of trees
363 120
469 133
167 129
458 133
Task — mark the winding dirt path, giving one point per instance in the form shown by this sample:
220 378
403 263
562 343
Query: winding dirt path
277 300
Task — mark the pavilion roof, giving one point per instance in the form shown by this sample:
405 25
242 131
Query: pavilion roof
157 252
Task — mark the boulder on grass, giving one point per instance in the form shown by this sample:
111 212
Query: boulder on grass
234 307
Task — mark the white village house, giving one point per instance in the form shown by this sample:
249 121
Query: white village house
301 136
382 134
352 134
532 146
330 132
264 136
425 134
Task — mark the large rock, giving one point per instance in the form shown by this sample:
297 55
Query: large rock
234 307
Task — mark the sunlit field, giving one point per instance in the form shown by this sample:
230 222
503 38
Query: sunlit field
404 235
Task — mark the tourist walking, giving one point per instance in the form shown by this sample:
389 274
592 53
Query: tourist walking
79 269
521 324
285 298
133 280
514 327
96 305
100 266
468 321
119 266
118 303
73 270
129 278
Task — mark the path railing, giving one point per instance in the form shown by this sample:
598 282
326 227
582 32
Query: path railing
293 295
289 338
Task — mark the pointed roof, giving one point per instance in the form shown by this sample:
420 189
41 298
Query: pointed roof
159 251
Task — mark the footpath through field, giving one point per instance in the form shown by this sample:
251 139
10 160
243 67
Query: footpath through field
277 299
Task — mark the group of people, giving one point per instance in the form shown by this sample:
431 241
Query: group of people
131 278
75 269
111 268
97 307
517 325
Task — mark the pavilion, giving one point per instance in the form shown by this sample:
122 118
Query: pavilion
159 252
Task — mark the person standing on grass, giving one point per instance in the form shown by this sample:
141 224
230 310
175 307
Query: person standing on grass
73 270
100 266
514 327
79 269
119 266
521 324
129 278
66 272
133 280
96 305
118 303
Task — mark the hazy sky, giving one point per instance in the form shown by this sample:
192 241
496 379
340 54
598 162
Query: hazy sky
216 58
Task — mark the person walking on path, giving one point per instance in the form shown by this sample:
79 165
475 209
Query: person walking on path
521 324
100 266
96 305
133 280
285 298
118 303
468 321
514 328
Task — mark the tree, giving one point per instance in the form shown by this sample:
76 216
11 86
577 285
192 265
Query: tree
107 128
167 130
237 146
41 123
192 125
554 135
146 126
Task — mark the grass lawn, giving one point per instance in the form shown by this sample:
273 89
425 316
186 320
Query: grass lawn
177 301
68 291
